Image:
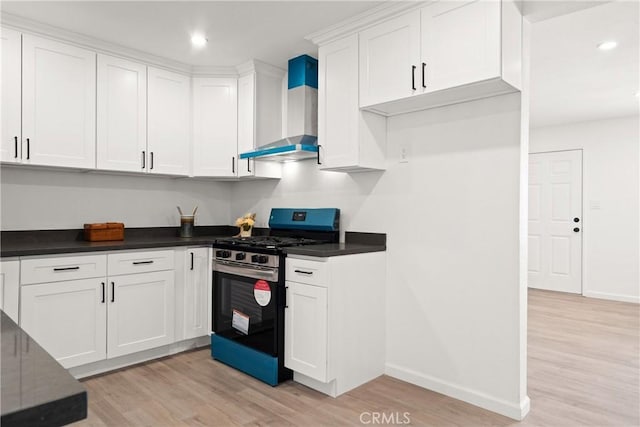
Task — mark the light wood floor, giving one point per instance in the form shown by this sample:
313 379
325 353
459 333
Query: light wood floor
583 371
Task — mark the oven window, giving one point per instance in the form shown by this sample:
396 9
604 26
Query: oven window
239 316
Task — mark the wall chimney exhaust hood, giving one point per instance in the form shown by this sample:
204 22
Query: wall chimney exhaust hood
302 116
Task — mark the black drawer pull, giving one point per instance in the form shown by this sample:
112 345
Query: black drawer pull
28 149
303 272
16 147
142 262
192 260
103 292
113 292
66 268
143 160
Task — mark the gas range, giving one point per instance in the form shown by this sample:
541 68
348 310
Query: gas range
249 293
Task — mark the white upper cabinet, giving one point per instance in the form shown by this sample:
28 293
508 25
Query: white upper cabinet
122 114
215 126
259 118
350 139
444 53
10 146
389 53
460 43
58 103
168 122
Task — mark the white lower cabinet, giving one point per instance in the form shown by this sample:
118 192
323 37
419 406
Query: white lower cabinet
335 320
197 295
68 319
306 330
141 312
81 311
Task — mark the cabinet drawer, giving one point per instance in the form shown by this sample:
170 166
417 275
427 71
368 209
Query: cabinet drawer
57 269
306 271
140 262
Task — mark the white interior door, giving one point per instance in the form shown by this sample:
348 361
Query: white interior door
555 221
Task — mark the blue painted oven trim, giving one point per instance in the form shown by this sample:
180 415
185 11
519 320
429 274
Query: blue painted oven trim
255 363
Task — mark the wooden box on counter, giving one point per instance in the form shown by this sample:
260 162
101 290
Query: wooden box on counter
104 231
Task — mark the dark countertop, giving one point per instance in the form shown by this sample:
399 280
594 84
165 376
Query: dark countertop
46 242
35 389
355 243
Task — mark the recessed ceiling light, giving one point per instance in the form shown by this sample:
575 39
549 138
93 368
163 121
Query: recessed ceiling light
198 40
608 45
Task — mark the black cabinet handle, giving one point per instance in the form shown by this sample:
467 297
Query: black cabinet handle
28 149
113 292
576 219
142 262
103 292
143 159
303 272
233 165
575 230
318 159
151 160
285 297
413 77
248 165
192 260
424 66
66 268
16 146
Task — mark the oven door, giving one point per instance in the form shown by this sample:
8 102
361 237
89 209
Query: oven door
245 303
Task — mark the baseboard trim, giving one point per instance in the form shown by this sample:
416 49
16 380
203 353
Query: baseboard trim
107 365
612 297
516 411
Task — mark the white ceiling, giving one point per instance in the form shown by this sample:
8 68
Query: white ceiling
572 80
271 31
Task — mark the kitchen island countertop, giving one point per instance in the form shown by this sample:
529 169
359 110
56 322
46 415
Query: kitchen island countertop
36 390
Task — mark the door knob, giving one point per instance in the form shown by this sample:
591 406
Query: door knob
575 230
576 219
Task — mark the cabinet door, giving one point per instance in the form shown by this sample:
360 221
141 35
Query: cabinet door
389 56
215 126
338 111
68 319
141 312
10 146
196 292
168 122
460 43
58 104
10 288
246 122
122 114
305 330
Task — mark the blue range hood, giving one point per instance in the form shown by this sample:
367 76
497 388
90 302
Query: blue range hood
302 116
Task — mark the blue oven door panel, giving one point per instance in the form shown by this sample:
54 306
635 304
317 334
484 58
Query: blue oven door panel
255 363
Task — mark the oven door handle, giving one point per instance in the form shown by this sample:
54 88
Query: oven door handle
269 274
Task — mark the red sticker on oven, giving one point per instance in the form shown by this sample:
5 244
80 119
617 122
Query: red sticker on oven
262 292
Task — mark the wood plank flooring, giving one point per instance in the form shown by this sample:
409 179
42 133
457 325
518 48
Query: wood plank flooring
583 361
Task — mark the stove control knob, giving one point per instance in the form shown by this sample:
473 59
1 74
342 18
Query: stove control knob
259 259
240 256
223 254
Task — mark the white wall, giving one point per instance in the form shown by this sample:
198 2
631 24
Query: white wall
611 164
452 219
46 199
